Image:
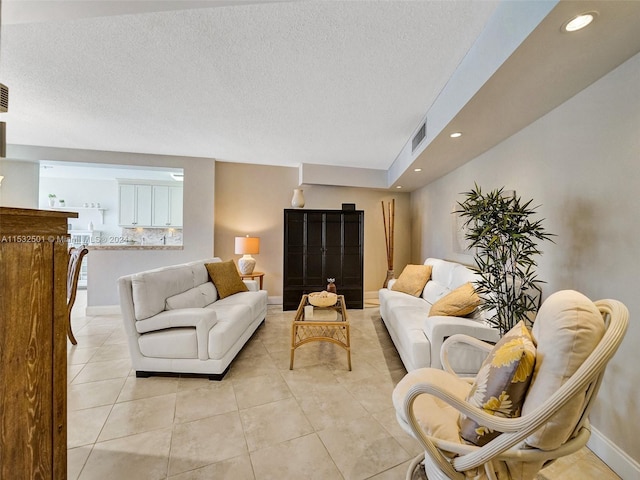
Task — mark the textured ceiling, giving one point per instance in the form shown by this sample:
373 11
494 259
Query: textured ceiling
301 83
280 83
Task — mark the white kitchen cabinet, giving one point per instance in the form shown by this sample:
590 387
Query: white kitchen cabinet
135 206
167 206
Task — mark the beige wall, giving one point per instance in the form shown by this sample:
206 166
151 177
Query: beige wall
581 163
20 185
250 199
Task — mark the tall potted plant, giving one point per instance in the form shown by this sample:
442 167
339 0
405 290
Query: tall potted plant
500 228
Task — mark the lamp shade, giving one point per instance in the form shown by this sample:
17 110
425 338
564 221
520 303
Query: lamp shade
247 245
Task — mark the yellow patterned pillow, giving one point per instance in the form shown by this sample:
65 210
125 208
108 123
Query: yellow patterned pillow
413 279
226 278
458 303
502 382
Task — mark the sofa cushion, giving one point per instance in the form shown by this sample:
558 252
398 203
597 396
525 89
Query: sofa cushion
199 296
501 383
226 278
151 289
200 273
233 320
567 329
412 279
458 303
255 300
433 291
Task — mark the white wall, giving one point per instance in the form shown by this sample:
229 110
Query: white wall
581 163
106 266
78 191
20 185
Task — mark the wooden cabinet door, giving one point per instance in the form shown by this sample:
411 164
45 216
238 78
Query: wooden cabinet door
321 244
33 344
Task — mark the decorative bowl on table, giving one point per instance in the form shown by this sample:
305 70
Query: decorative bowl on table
323 299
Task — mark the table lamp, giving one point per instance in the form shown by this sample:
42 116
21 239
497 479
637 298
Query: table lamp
246 246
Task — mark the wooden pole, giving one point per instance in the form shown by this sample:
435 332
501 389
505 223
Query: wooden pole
388 237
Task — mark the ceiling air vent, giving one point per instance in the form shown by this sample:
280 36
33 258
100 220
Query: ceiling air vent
4 98
418 137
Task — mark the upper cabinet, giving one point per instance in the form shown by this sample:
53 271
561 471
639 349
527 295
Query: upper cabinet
149 204
167 206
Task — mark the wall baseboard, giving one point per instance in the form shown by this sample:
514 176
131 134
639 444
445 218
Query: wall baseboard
102 310
274 300
616 459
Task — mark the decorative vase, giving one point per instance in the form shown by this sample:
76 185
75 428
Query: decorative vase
52 202
298 198
246 264
331 287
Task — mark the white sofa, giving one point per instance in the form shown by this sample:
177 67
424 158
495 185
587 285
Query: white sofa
418 337
176 323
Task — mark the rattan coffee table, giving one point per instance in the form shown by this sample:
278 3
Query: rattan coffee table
321 327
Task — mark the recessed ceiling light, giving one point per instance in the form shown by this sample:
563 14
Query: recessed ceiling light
456 134
579 22
399 186
417 169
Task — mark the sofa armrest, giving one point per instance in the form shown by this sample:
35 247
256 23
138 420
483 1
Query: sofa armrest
203 319
439 328
252 285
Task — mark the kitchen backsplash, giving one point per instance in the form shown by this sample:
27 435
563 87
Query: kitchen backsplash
153 236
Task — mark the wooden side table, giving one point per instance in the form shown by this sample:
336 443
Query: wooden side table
253 276
305 330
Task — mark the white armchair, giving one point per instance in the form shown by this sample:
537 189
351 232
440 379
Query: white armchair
568 337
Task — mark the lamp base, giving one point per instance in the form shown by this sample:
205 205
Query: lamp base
246 265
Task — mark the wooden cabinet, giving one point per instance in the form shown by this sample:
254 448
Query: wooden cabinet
321 244
33 343
135 205
167 206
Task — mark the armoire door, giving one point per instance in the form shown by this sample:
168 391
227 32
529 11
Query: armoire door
322 244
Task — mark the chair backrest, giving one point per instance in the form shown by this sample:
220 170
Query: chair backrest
73 273
568 329
547 424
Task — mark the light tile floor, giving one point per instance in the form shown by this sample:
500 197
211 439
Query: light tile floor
263 421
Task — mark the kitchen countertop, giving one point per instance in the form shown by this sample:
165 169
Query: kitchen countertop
135 247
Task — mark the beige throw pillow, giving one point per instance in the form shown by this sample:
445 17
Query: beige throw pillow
458 303
502 382
413 279
226 278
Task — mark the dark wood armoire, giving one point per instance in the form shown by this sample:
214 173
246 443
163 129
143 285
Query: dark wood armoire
33 343
321 244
